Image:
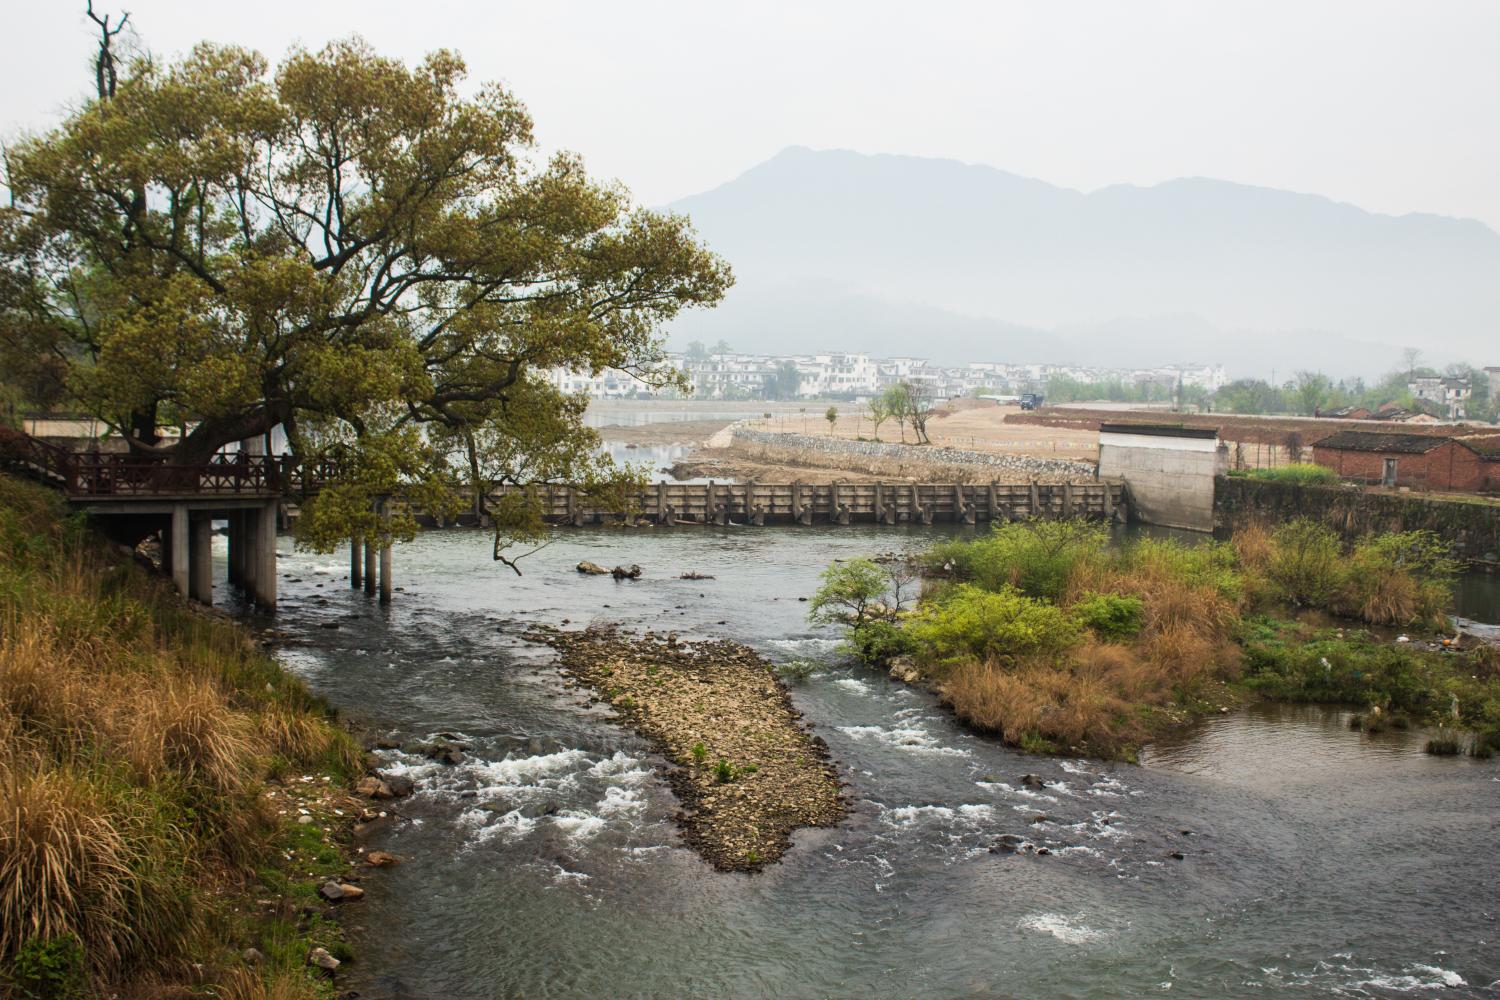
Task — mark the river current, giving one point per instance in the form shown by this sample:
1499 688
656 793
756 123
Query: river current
1314 861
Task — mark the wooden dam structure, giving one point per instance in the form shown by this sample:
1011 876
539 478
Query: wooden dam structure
760 504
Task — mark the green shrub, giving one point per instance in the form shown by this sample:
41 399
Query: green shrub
1298 474
877 642
1110 616
973 622
49 970
1306 564
699 752
723 772
795 671
1035 557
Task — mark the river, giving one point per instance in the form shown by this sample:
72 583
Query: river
1316 861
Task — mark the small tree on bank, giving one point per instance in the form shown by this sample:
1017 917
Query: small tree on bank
832 416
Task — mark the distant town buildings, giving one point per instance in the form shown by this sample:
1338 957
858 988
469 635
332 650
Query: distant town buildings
1450 395
857 376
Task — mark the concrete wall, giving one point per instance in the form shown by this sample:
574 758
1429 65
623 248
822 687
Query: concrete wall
1472 527
1171 479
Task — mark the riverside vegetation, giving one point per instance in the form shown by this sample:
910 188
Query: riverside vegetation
1049 635
167 793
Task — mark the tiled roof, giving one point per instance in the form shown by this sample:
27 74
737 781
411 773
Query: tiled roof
1409 444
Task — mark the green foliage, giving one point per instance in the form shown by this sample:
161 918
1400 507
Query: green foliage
876 642
1110 616
970 621
49 970
795 671
362 252
1306 564
1035 556
1297 474
699 752
723 772
859 590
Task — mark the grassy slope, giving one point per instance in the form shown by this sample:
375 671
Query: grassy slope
145 837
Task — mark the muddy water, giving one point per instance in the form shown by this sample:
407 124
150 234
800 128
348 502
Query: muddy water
1315 861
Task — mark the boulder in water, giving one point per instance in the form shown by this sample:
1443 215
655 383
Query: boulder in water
622 573
1032 781
591 569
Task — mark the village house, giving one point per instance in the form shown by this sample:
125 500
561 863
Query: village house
1419 461
1450 395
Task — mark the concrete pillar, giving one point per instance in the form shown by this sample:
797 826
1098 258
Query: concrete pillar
385 573
249 565
201 559
356 562
370 580
264 556
177 547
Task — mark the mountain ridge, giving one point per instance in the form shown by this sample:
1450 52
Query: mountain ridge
972 240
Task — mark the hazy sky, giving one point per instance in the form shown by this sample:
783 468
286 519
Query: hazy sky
1392 106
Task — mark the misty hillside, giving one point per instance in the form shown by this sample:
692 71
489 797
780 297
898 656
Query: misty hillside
897 254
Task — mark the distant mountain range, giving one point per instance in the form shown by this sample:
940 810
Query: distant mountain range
900 255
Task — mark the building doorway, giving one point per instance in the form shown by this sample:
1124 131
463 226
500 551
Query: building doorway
1388 476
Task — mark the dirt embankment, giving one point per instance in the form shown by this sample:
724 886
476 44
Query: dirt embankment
665 432
747 461
747 773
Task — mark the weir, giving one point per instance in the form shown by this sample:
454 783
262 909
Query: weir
828 503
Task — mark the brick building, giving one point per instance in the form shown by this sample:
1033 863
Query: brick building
1424 462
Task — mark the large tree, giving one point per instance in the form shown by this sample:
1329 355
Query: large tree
355 250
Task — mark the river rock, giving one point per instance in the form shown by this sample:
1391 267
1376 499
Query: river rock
399 784
381 859
621 573
340 892
320 958
1007 843
1032 781
372 787
904 669
253 956
591 569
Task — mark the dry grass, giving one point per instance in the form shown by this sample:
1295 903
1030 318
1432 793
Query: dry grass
1085 702
242 984
134 736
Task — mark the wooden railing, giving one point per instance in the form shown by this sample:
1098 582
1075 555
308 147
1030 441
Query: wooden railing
113 474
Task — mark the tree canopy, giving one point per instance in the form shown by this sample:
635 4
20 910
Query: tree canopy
358 251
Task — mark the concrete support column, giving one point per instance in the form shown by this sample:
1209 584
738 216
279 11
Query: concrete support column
385 552
201 560
177 547
264 555
356 562
369 566
250 535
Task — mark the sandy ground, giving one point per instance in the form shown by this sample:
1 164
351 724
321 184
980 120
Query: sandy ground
978 426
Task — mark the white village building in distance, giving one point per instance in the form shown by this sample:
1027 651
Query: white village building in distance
860 376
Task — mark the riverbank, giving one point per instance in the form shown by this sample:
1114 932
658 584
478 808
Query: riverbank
747 773
171 801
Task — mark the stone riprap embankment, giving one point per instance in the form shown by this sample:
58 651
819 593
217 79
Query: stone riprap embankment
1021 465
